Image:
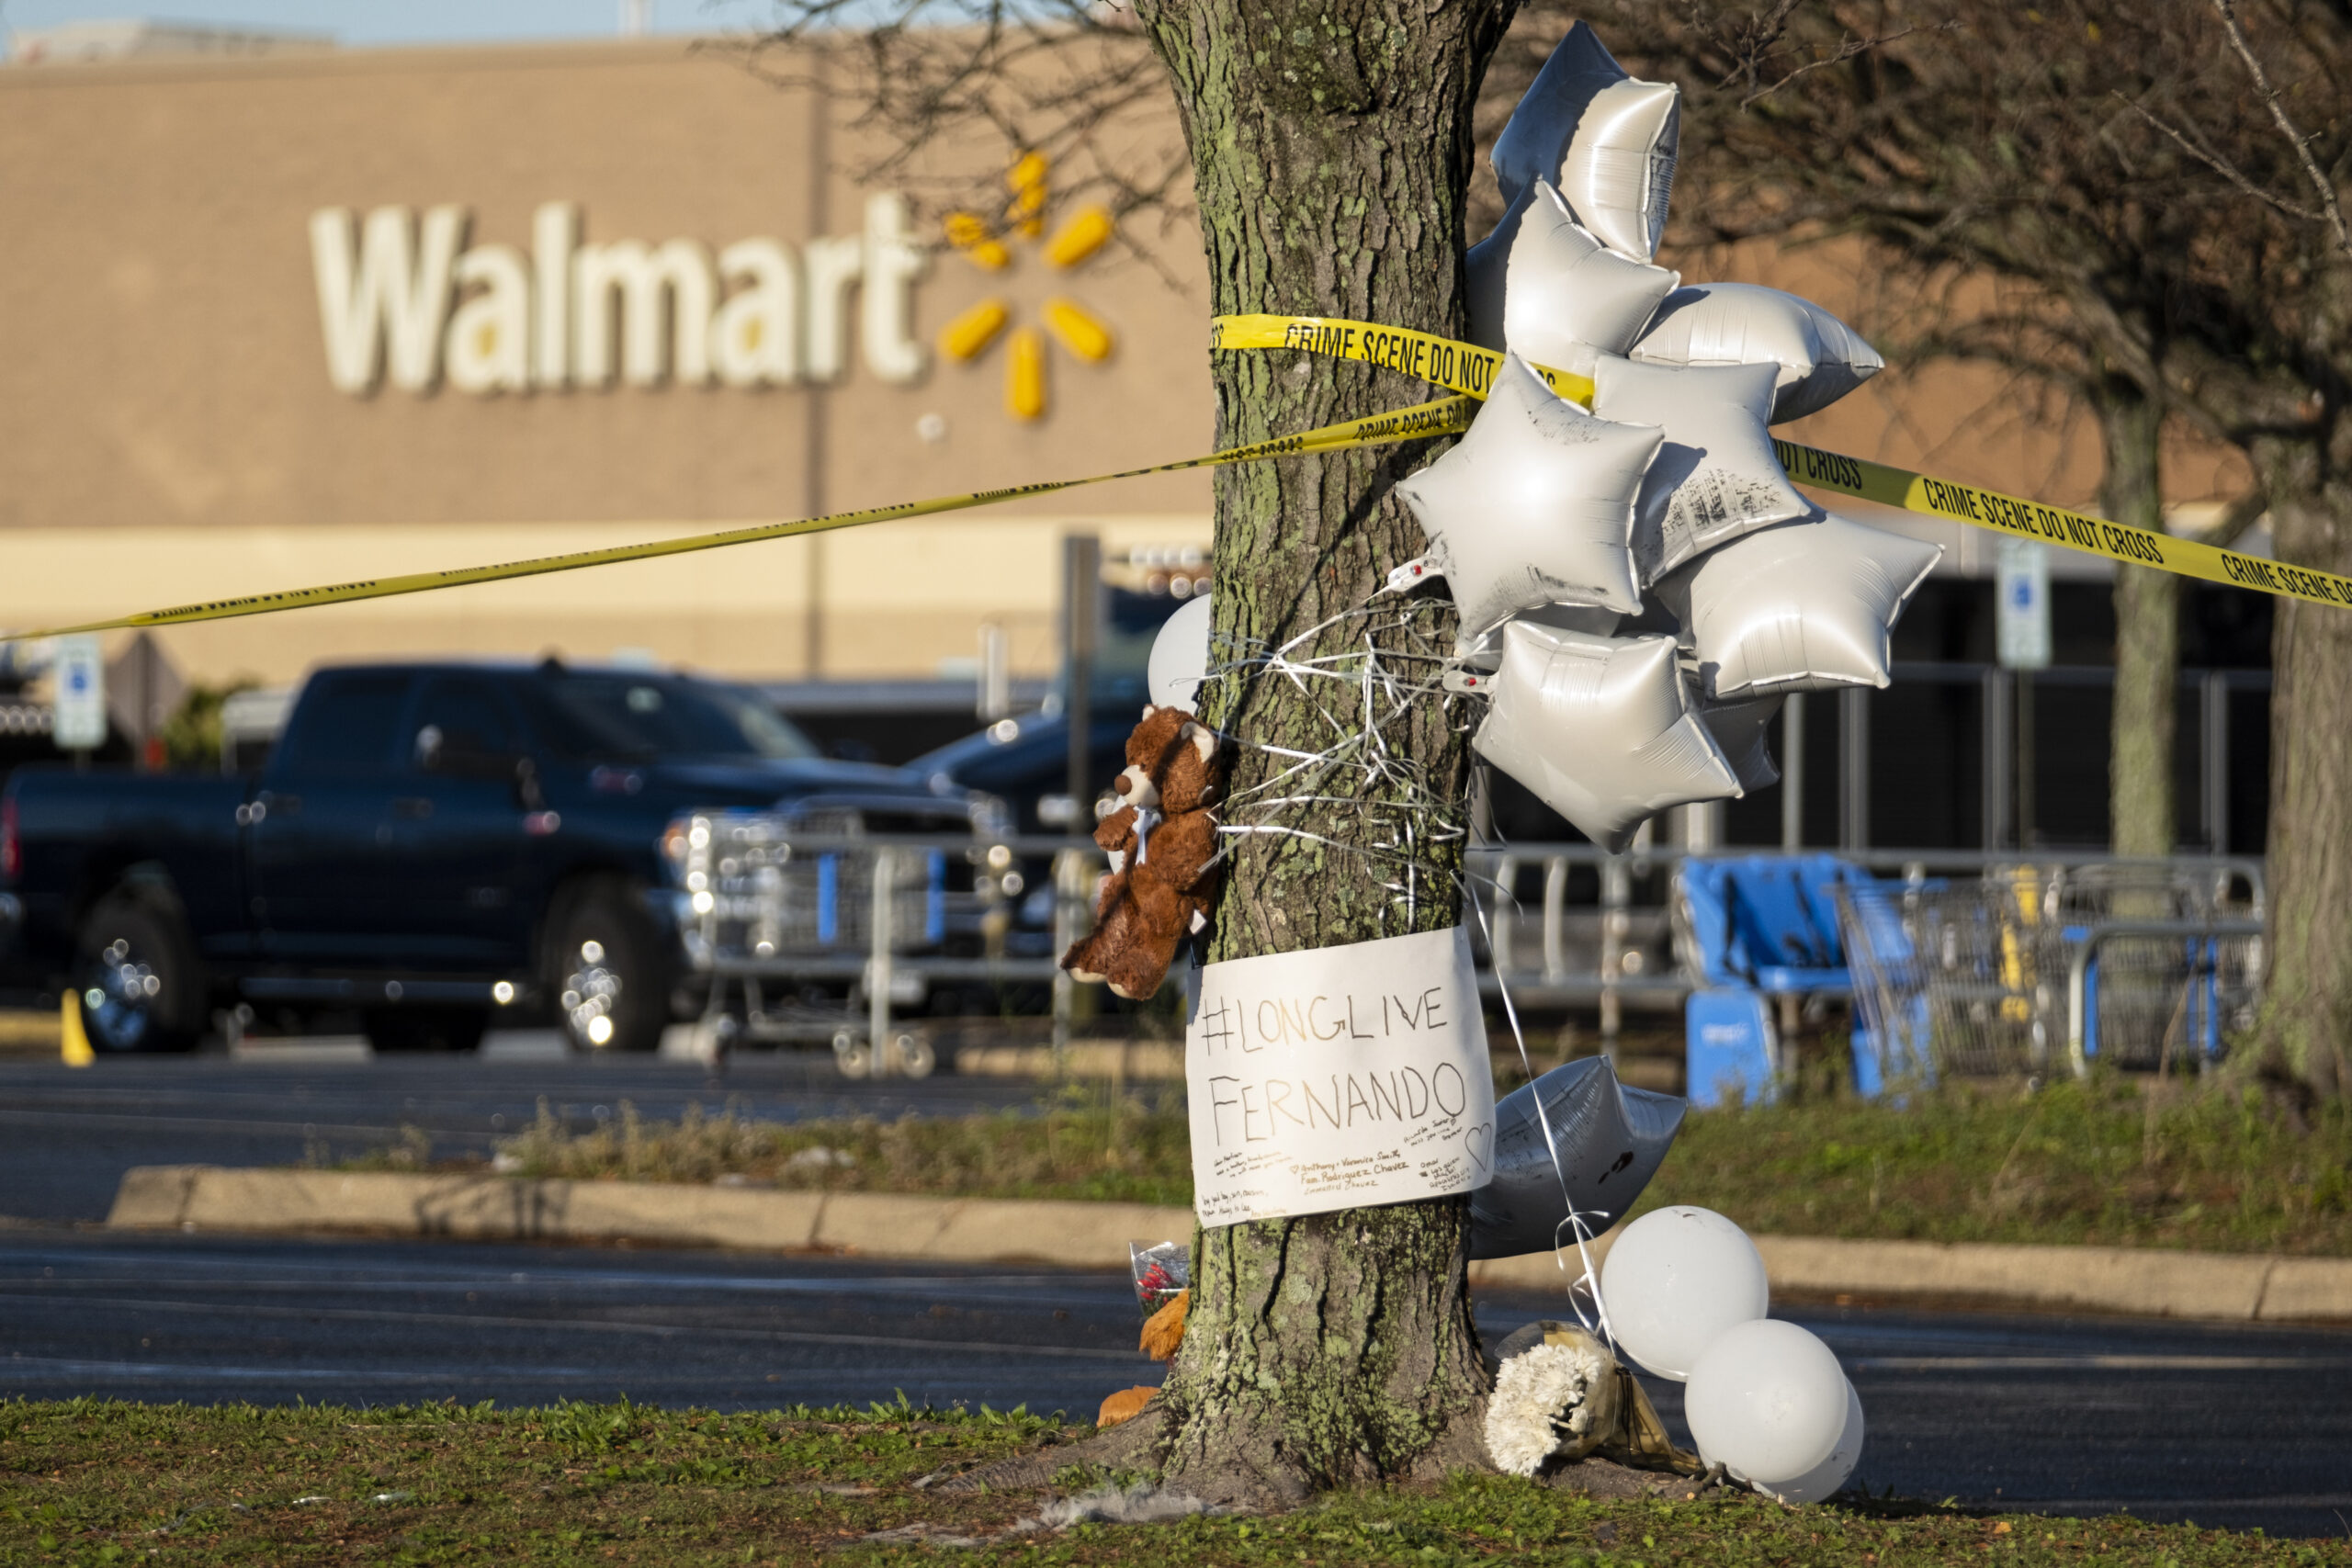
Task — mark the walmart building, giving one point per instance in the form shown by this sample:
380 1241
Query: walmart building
291 315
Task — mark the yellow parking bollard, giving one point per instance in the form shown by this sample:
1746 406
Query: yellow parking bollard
74 1044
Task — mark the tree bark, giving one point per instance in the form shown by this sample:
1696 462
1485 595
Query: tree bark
2147 633
1331 149
2303 1036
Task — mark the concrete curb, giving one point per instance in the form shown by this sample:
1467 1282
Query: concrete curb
2211 1286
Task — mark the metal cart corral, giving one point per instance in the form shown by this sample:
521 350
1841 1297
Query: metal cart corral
809 928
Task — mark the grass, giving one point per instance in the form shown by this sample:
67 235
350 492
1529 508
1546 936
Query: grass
94 1481
2113 1161
1078 1144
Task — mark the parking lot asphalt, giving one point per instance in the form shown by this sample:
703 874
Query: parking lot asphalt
2236 1426
2227 1425
67 1135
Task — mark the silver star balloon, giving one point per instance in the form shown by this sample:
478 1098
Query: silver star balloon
1716 478
1618 172
1820 358
1536 137
1533 506
1600 730
1801 608
1543 287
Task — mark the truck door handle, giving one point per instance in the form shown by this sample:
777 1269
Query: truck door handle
414 807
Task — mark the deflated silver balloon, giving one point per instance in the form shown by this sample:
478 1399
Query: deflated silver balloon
1599 728
1542 285
1619 171
1820 358
1740 728
1610 1138
1534 505
1716 478
1804 606
1536 138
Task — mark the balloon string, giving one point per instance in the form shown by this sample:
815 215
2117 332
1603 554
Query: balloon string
1378 691
1590 1281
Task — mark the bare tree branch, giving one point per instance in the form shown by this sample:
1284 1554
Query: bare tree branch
2220 166
1847 49
2227 11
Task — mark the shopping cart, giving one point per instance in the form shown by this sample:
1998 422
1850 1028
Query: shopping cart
2031 968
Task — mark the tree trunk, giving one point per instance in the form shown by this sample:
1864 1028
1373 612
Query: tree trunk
1332 149
2147 633
2303 1036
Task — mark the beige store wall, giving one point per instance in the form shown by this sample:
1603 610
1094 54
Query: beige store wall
172 434
901 598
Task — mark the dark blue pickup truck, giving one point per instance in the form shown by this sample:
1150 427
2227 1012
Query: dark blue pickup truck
427 845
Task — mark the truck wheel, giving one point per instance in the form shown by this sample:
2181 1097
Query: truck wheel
612 983
398 1030
137 977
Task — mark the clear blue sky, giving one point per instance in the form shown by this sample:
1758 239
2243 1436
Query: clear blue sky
362 22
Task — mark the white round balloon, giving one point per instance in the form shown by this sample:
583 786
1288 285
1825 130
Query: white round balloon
1180 656
1675 1280
1824 1479
1767 1400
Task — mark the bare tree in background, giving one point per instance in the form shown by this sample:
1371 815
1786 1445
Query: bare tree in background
2157 181
1330 158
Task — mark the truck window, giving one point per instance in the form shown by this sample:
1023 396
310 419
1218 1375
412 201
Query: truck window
460 727
346 724
589 714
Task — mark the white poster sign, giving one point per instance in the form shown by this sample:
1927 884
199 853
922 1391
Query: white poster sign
1339 1078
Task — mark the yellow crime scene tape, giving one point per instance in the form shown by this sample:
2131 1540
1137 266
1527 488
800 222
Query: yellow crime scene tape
1464 370
1441 417
1461 367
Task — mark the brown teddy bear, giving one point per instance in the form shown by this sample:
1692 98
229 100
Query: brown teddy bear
1161 842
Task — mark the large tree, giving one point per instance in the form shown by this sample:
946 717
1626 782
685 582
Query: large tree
1331 154
1330 161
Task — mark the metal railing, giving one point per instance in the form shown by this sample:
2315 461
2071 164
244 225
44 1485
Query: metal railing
1598 931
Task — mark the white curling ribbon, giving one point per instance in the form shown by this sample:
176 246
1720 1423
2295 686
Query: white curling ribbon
1820 358
1536 138
1543 287
1716 477
1806 606
1741 729
1338 1079
1600 730
1534 505
1618 173
1179 658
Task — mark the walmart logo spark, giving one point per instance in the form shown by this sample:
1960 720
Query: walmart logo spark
1078 330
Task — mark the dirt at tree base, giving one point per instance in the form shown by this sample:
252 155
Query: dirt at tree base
1137 1445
